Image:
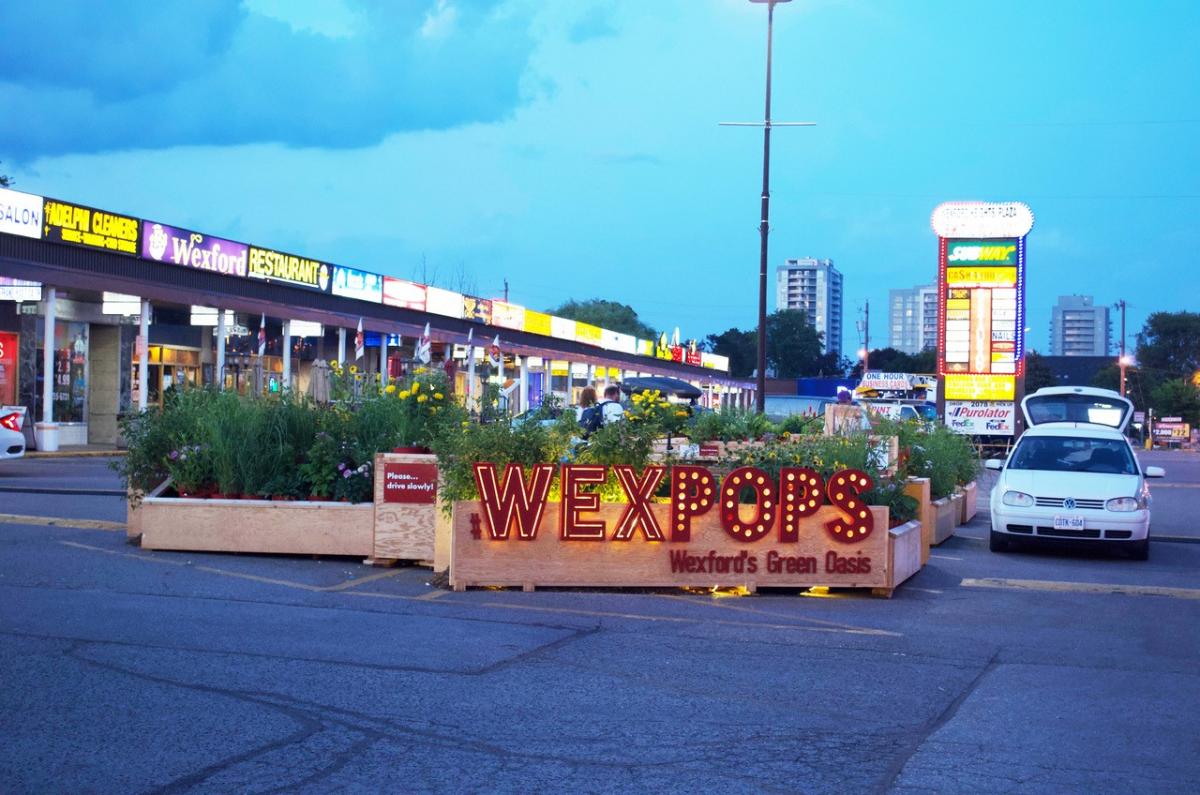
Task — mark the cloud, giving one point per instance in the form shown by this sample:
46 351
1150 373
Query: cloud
595 23
81 77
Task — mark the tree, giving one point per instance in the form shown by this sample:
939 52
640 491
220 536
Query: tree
740 346
606 314
1037 373
890 360
794 347
1177 398
1170 341
5 181
1140 383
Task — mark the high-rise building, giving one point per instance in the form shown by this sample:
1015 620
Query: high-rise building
913 319
1079 328
813 286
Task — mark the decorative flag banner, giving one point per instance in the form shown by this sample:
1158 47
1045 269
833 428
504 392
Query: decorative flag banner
262 335
360 341
494 352
424 352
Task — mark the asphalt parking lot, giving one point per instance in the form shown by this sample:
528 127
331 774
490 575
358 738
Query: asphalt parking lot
1045 670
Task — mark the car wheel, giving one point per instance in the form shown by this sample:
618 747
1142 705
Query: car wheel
997 542
1140 550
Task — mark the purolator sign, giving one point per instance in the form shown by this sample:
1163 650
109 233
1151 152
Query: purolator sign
797 531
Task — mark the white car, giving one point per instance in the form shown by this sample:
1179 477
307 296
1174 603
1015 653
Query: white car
1073 475
12 441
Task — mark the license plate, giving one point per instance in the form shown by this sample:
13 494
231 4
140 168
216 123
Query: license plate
1068 522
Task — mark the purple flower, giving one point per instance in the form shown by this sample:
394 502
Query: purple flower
342 467
346 474
174 454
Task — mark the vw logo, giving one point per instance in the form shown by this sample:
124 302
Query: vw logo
1069 503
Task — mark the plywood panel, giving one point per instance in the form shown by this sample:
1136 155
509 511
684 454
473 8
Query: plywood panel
546 560
403 531
918 489
298 528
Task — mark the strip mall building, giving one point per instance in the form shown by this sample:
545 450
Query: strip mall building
135 307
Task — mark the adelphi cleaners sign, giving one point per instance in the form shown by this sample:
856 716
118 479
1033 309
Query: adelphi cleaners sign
748 529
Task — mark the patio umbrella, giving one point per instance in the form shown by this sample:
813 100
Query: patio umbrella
664 384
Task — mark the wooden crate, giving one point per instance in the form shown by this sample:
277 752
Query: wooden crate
947 512
904 556
970 502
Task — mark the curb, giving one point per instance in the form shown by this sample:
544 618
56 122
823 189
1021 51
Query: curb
1175 539
76 454
63 492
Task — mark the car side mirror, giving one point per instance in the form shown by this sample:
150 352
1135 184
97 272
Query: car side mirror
994 463
1155 472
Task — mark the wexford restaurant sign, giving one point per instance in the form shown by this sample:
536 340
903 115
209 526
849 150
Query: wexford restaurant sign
747 529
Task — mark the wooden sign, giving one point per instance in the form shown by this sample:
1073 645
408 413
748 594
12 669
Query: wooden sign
798 531
405 514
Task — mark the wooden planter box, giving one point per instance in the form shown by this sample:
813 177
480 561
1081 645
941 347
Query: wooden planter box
918 489
946 513
904 556
970 503
404 523
257 526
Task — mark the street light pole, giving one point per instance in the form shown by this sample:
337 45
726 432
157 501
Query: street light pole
760 395
1122 361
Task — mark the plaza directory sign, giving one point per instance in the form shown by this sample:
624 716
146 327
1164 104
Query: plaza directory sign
981 301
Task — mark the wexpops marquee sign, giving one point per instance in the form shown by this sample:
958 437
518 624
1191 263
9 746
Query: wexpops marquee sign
749 528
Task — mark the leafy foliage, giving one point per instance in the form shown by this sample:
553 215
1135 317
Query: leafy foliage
606 314
1168 343
1177 398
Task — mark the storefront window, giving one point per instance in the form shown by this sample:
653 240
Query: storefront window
69 387
9 350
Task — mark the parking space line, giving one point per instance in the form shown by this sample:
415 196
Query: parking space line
62 521
943 557
1081 587
726 604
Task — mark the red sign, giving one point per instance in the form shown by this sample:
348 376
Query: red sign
8 368
410 483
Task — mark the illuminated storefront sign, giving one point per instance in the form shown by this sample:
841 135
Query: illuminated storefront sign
981 252
86 226
444 302
587 333
477 309
189 249
562 328
798 529
19 290
981 418
981 219
506 315
537 322
353 283
277 266
21 213
980 387
406 294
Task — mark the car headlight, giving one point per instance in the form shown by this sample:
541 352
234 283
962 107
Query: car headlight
1124 504
1017 498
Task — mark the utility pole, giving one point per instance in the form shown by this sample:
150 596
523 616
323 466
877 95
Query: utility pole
1122 360
760 392
506 291
866 335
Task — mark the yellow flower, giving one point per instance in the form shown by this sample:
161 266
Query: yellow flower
390 389
433 410
421 370
404 395
379 376
422 398
438 396
416 387
681 414
466 423
334 364
353 369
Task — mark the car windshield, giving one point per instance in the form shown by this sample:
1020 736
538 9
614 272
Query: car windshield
1074 454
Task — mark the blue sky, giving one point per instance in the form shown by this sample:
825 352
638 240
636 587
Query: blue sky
572 148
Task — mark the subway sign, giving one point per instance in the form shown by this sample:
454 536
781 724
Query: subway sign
981 252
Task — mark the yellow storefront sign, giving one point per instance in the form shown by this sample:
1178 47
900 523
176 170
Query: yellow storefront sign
980 387
975 276
537 322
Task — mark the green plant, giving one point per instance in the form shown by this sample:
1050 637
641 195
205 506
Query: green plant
354 484
801 424
190 468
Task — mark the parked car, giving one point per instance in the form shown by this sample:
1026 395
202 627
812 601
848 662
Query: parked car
1073 476
12 440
